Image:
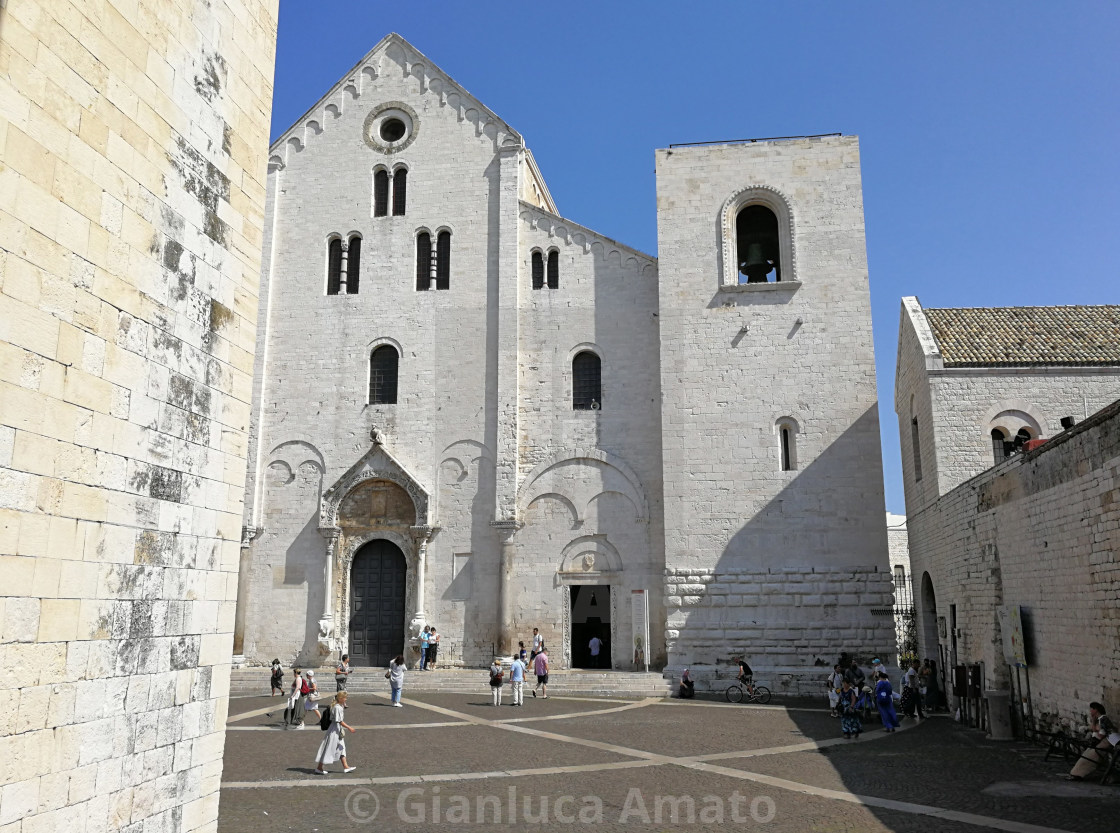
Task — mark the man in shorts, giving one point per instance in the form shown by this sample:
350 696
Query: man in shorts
538 643
540 668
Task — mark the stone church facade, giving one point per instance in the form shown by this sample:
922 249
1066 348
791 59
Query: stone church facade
473 413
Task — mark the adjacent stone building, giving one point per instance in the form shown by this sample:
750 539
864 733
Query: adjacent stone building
474 413
133 140
995 516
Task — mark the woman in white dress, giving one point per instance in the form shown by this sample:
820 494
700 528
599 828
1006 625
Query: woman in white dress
333 747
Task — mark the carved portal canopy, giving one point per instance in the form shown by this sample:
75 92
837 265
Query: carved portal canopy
376 490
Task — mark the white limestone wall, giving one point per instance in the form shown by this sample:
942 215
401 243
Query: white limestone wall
1041 530
590 479
733 362
131 198
313 414
918 357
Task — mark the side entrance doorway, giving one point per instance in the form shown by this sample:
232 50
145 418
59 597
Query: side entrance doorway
591 619
377 603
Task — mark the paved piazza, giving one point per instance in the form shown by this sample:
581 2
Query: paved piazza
449 761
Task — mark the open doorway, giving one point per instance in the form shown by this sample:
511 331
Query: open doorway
591 626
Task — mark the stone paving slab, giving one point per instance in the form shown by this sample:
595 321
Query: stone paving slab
936 776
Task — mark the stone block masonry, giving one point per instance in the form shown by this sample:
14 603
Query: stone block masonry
133 139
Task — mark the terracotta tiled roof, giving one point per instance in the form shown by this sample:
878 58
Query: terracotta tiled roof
1027 336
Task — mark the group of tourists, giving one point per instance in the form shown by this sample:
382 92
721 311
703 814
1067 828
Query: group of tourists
852 693
429 648
520 663
303 693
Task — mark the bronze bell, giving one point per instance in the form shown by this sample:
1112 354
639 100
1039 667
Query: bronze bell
757 266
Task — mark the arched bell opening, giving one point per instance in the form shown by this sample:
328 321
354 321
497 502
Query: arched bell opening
758 245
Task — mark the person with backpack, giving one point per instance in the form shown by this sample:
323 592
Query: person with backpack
496 681
333 747
884 701
277 678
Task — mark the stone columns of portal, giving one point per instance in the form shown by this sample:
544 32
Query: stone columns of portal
326 621
506 637
420 537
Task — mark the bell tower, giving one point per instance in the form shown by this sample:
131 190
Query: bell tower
775 537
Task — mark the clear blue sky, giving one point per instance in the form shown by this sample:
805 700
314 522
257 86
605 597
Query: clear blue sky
989 131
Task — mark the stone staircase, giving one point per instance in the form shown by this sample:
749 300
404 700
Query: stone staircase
623 684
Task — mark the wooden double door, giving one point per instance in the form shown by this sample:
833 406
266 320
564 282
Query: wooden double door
377 603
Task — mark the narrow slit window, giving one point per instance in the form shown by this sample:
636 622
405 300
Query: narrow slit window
380 193
787 448
423 261
383 376
334 266
587 378
554 269
400 187
353 264
443 260
915 441
538 270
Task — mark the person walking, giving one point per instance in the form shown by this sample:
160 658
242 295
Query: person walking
277 679
433 649
311 701
884 701
425 638
911 693
595 646
540 668
496 675
395 676
517 681
293 712
333 747
342 674
538 643
848 704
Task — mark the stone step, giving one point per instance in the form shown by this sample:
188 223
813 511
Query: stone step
247 681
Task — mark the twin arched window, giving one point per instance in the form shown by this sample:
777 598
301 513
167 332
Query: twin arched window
1004 446
344 258
539 270
381 188
433 266
383 363
587 382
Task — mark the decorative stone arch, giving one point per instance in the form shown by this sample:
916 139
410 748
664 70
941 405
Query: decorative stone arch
526 493
1009 415
777 202
568 503
593 560
377 464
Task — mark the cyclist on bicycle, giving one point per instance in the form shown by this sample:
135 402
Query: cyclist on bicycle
746 675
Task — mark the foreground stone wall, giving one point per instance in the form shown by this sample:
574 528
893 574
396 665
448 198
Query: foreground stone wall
1041 530
132 140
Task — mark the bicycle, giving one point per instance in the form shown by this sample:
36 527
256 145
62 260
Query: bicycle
753 693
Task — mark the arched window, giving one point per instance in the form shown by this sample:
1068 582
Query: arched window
334 266
587 382
380 192
423 261
1000 446
400 182
786 437
383 376
538 270
353 264
443 260
554 269
758 245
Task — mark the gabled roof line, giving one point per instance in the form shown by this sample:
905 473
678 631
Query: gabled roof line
353 76
528 206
